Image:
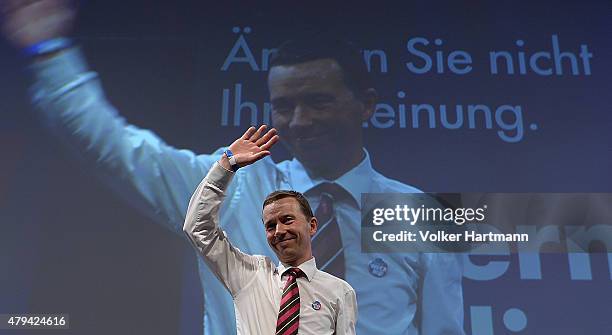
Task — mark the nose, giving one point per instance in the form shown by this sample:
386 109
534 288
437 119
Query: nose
301 117
280 230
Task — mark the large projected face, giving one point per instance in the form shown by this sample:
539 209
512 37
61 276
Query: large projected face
318 117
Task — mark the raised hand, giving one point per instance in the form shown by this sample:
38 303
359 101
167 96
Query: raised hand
26 22
252 146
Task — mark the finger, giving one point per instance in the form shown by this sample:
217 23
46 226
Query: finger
247 134
270 143
13 5
261 155
8 6
255 136
266 137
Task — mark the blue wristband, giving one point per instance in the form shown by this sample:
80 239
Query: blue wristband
232 160
48 46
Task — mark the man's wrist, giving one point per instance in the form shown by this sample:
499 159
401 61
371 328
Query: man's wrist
231 160
224 162
48 47
46 56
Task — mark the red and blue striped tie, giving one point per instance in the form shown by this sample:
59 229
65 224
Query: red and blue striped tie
289 314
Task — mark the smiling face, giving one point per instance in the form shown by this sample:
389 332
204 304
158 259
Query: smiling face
318 117
289 231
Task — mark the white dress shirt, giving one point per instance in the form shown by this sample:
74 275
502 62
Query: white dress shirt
328 305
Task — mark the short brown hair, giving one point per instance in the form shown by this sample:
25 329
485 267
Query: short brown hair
301 199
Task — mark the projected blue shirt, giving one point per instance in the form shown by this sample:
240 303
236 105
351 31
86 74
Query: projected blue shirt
396 293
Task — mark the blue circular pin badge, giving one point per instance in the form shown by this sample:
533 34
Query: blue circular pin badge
378 267
316 305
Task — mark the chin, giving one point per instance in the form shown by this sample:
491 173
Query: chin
287 256
316 158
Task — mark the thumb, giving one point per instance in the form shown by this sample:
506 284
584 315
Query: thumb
260 155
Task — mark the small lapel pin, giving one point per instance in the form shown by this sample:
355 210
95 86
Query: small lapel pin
316 305
378 267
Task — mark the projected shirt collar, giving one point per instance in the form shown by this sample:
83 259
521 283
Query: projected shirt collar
356 181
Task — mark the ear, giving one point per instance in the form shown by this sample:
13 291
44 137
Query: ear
369 99
313 226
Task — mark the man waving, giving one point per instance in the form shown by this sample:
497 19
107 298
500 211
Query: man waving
268 299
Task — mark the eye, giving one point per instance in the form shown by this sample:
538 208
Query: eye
282 107
320 101
281 111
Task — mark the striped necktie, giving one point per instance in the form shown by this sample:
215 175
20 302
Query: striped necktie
327 245
288 320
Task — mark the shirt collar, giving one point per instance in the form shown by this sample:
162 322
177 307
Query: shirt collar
356 181
309 268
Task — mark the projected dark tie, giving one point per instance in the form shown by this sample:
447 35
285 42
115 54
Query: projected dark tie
327 245
288 320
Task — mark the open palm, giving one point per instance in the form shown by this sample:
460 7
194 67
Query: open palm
26 22
253 145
